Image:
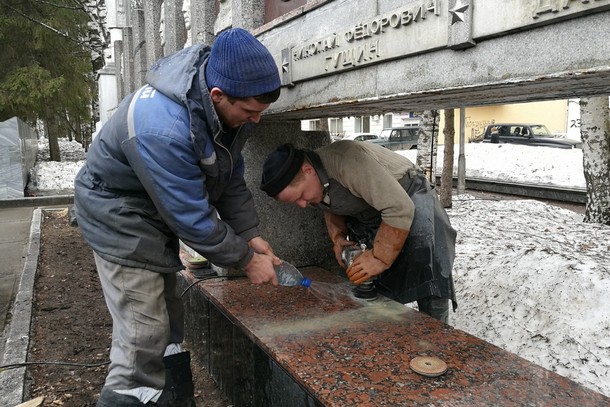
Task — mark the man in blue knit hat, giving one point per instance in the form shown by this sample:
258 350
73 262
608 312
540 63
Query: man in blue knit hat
167 166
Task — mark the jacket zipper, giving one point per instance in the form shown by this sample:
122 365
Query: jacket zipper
227 149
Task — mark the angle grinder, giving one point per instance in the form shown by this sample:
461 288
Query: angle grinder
366 290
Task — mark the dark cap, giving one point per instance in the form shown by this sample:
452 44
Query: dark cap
241 66
280 168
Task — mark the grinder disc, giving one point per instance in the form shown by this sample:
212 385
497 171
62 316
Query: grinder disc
197 262
428 366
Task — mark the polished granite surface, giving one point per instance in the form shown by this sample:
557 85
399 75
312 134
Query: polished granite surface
344 351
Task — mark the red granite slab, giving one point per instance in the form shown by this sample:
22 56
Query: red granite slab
349 352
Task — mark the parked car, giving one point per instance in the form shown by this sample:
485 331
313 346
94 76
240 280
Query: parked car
398 138
526 134
360 136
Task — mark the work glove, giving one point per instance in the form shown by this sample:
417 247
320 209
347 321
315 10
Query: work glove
337 230
386 248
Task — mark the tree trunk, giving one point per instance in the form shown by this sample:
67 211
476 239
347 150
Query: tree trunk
324 125
427 143
595 134
51 129
447 175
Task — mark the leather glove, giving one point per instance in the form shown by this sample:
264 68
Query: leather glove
337 230
386 248
365 267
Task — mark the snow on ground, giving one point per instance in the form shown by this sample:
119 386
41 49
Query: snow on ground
534 279
57 176
514 163
531 278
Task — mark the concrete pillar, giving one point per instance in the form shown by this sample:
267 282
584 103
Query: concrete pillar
296 235
107 88
224 17
119 67
175 33
203 14
152 18
128 73
138 51
248 14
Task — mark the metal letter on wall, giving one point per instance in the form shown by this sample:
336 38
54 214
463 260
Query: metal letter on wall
460 24
285 68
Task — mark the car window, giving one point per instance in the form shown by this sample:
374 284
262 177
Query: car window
541 131
399 135
385 134
504 131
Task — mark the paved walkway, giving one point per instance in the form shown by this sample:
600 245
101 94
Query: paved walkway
14 236
19 247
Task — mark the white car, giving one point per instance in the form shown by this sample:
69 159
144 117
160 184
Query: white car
360 136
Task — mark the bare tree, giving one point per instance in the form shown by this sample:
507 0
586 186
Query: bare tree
595 134
447 175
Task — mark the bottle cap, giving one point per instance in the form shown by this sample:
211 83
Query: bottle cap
306 282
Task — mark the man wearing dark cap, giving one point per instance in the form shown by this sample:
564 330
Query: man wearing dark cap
374 197
167 166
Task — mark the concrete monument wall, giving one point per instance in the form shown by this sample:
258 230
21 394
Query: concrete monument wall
371 57
297 235
384 56
339 59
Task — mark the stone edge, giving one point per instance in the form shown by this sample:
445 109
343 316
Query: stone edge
37 201
12 381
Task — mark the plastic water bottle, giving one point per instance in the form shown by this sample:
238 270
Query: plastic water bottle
288 275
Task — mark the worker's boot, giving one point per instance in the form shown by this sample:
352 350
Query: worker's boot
110 398
179 390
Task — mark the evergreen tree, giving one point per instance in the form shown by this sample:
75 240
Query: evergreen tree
48 62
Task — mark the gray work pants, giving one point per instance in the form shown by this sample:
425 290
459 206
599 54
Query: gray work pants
147 315
436 307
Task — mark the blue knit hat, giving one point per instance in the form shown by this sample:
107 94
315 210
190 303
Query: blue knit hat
241 66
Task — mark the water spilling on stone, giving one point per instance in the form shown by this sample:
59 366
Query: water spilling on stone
331 292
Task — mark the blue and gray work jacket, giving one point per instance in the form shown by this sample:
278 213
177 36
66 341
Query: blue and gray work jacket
162 169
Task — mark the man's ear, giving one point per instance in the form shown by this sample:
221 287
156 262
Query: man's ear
307 168
216 94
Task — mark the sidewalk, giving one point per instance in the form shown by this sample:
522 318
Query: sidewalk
19 248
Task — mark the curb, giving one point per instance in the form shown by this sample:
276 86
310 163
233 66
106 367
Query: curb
37 201
12 380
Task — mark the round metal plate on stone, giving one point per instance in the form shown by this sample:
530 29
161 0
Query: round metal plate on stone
428 366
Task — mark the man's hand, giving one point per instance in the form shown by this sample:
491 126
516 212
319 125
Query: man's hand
365 267
337 231
261 246
339 244
260 269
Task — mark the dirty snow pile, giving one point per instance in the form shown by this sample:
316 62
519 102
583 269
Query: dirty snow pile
535 280
531 278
